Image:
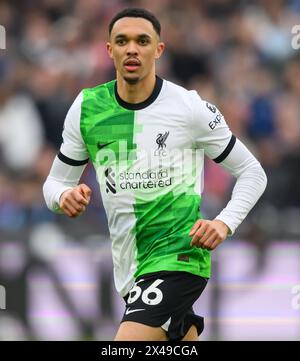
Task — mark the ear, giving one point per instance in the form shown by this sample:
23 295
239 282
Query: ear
109 50
159 50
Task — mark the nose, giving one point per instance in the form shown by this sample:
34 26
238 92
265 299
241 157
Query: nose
131 49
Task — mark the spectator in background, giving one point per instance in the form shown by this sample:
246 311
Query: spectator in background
21 132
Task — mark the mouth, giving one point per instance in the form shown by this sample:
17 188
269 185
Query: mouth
132 65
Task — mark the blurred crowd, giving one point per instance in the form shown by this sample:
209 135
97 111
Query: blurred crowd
237 54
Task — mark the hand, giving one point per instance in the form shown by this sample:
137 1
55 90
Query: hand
208 234
73 202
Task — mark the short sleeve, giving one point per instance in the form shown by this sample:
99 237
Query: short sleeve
210 131
73 150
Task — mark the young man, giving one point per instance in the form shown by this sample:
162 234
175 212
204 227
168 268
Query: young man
160 245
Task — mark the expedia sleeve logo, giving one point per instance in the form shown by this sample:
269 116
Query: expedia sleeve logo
161 143
217 120
211 107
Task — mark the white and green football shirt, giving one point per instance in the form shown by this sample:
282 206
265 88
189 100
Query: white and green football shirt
147 162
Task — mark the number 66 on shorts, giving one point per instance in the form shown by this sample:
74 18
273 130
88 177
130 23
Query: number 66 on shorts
136 292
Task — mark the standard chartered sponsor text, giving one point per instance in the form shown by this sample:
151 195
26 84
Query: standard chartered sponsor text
146 179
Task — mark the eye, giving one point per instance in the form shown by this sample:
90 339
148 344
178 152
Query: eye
143 41
121 42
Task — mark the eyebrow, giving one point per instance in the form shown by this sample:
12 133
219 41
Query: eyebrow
140 36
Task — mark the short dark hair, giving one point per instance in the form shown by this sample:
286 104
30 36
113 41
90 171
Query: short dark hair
136 13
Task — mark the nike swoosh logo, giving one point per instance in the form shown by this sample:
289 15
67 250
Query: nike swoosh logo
128 311
103 145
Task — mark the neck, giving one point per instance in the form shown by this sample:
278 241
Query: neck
136 93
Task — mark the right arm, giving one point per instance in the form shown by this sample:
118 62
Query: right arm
61 190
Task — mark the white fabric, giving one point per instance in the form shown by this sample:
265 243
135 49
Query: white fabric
62 177
73 146
251 183
190 123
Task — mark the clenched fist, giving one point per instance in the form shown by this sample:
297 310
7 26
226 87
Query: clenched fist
73 201
208 234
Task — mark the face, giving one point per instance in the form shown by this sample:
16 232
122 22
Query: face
134 46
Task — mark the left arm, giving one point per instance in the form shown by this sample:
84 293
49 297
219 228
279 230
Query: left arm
250 185
211 133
